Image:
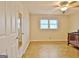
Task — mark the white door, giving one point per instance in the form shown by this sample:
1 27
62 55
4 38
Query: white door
2 29
11 29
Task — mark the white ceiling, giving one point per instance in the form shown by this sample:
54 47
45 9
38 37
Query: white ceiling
46 7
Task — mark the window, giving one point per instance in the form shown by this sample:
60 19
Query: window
44 24
53 24
48 24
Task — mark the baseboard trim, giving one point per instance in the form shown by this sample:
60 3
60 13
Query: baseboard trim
46 40
49 41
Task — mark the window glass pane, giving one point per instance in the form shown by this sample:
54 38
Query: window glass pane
53 24
43 24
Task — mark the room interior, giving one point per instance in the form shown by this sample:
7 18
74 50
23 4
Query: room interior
39 29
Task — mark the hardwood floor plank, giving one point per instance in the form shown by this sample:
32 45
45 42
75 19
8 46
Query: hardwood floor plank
51 50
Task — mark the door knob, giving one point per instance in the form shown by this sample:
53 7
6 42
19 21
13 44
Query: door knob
16 37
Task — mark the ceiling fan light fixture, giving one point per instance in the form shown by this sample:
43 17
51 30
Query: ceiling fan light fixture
63 8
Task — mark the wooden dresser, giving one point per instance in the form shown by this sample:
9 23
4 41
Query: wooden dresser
73 39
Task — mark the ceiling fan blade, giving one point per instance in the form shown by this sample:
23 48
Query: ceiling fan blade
72 2
55 6
76 6
63 3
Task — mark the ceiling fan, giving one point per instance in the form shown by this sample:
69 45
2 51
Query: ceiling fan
65 5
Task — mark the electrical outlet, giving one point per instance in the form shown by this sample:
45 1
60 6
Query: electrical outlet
50 38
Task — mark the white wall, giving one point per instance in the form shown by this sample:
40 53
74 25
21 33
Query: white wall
73 22
49 35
